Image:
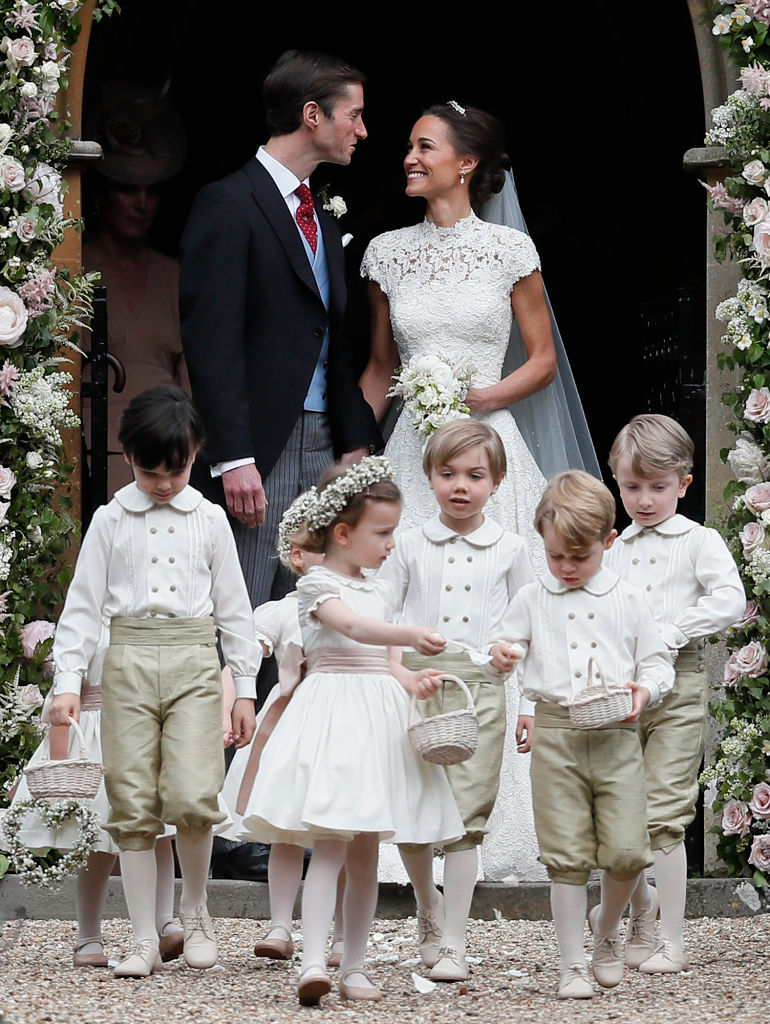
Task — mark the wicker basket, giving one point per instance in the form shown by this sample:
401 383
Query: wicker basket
75 777
449 738
600 704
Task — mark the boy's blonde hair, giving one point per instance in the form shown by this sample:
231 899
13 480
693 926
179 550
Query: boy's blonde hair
455 437
653 444
579 507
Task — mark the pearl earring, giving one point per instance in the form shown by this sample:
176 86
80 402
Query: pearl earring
462 177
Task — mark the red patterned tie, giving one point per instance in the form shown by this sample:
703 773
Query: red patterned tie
305 217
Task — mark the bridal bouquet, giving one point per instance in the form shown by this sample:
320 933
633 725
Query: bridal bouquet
433 391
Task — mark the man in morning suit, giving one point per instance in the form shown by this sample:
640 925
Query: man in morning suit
262 295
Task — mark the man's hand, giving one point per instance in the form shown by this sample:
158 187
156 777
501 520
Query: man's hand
244 721
245 495
349 458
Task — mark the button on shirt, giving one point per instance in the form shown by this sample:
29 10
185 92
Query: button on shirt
606 619
460 585
688 576
143 560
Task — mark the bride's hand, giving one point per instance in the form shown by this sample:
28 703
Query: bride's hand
481 400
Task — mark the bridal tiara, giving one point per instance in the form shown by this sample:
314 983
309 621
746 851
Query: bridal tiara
456 106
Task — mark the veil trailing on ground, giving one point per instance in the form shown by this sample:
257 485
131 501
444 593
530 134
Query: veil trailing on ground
551 421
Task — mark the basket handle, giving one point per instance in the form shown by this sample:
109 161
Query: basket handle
78 732
594 669
447 677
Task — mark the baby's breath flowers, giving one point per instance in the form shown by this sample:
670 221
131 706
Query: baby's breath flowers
327 504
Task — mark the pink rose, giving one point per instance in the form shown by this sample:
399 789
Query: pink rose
20 53
759 805
754 172
749 617
12 177
761 241
736 820
13 318
751 661
755 211
757 498
34 633
752 537
757 408
7 482
760 853
26 227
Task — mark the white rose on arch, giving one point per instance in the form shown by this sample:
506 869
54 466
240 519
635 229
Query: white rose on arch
748 462
761 240
755 211
755 172
11 175
19 53
13 318
757 408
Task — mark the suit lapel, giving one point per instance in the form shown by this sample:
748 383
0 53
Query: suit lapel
272 204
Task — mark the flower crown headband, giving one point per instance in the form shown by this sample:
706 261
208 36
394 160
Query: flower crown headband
292 521
327 504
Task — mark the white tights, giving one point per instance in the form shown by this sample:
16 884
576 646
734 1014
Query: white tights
671 883
359 858
284 873
568 909
460 869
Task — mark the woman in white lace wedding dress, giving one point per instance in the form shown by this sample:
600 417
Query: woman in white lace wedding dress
450 286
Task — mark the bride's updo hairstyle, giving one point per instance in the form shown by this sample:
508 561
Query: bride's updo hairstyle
480 135
348 490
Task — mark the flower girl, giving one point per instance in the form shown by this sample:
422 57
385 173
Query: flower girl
338 771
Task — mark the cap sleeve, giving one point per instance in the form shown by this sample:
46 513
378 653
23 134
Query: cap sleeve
267 624
315 588
522 256
373 263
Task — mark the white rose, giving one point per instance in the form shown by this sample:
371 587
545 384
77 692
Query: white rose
747 461
752 536
20 53
761 240
443 374
13 319
6 132
34 460
49 77
755 172
28 91
11 174
755 211
4 506
757 408
428 397
26 227
422 364
7 482
337 206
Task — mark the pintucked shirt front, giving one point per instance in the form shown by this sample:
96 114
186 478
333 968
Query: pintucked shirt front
687 574
144 560
459 584
563 628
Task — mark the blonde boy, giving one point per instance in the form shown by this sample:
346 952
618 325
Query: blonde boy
693 589
587 785
458 572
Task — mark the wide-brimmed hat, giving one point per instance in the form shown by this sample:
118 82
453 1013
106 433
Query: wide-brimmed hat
142 137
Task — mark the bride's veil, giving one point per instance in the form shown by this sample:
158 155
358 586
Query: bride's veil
551 421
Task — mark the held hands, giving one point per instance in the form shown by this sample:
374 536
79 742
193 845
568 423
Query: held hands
525 728
505 656
244 721
245 495
426 682
426 641
63 706
641 700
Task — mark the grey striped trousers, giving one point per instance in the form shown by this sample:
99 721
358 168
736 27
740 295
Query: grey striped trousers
308 451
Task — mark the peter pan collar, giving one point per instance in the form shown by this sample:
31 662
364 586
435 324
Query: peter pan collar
673 527
485 536
367 583
602 583
133 500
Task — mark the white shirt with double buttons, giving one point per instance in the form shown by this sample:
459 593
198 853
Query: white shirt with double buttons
143 560
687 573
562 629
458 584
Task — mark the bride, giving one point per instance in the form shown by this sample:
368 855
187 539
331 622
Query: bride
451 286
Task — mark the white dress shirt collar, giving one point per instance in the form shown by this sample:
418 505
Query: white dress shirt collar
286 181
487 534
672 527
602 583
133 500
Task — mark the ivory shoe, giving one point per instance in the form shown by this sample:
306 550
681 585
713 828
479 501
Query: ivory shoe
667 959
370 992
641 942
274 946
200 945
171 945
313 983
574 983
335 957
607 962
80 959
430 925
142 960
450 966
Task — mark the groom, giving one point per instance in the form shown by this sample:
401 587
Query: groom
262 296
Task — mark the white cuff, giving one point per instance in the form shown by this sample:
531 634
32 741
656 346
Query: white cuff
224 467
245 686
526 706
67 682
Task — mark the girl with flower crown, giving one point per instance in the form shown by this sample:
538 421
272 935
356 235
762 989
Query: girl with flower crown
338 771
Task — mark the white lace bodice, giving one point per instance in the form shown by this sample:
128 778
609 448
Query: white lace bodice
449 289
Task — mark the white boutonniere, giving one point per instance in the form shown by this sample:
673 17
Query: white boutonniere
336 205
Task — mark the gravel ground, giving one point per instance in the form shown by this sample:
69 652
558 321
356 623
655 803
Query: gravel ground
514 976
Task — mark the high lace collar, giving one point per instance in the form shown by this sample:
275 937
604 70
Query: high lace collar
464 226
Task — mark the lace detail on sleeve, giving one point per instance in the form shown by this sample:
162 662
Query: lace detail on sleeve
371 265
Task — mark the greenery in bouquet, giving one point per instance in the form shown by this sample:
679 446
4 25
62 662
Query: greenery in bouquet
742 28
433 391
40 308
